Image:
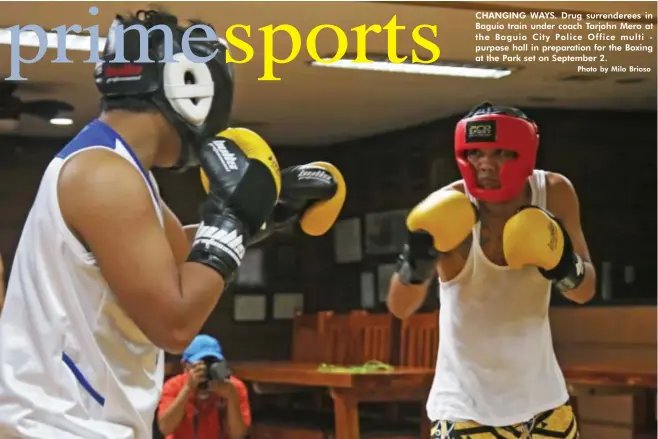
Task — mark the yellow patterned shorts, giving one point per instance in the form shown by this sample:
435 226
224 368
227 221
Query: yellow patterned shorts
559 423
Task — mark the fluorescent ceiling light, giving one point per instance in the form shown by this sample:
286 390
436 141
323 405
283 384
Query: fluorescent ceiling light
61 121
419 69
73 42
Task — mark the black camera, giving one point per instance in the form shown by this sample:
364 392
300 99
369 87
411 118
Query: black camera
216 370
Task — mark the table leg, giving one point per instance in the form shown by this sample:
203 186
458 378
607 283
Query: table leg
425 425
346 413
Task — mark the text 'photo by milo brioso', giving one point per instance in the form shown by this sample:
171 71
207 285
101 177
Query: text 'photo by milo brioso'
237 38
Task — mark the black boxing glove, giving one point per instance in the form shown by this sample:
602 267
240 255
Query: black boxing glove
312 195
417 262
243 187
438 224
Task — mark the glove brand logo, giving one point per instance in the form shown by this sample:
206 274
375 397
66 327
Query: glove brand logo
229 242
226 157
315 175
88 39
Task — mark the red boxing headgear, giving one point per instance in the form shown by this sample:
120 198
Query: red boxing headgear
489 127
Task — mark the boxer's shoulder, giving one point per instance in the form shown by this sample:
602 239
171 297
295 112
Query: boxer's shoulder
100 181
98 168
455 186
561 196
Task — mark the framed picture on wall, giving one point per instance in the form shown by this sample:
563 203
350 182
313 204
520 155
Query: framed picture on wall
287 305
384 274
347 241
368 294
251 272
386 232
249 307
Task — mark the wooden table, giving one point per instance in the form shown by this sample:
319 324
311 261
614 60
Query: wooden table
346 389
638 376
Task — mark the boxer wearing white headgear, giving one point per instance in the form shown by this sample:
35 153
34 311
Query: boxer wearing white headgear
104 277
500 240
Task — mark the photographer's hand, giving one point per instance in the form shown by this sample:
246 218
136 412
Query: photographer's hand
238 417
224 389
196 375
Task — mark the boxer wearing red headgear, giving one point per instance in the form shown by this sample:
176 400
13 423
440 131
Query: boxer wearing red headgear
500 240
488 130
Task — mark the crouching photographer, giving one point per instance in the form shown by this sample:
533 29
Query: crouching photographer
205 401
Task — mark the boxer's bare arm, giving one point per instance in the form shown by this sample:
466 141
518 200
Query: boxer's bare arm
180 244
404 300
190 232
562 201
104 202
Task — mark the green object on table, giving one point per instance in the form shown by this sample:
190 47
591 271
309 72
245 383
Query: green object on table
370 366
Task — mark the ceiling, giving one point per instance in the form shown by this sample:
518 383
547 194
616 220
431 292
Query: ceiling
316 106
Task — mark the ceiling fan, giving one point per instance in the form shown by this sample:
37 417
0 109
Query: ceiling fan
12 107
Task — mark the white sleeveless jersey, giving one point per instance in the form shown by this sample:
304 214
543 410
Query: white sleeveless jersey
496 364
72 364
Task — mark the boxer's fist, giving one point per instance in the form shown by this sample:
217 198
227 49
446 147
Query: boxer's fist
438 224
241 176
316 192
533 236
447 215
312 195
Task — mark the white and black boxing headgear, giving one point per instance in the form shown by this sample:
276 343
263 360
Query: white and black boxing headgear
196 98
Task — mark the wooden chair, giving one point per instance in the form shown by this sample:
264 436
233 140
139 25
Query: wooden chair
335 338
420 340
371 337
306 339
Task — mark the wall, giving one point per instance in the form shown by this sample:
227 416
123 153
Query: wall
619 337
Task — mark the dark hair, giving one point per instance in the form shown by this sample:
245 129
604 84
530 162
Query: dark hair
128 103
147 18
489 108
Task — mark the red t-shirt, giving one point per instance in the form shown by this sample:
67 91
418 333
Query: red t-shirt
209 424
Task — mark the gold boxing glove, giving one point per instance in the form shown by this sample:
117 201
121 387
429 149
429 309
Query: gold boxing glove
533 236
312 196
438 224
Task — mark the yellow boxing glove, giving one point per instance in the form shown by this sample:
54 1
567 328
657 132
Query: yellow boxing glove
533 236
447 215
323 210
438 224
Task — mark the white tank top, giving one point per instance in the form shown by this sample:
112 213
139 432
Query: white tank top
72 364
496 364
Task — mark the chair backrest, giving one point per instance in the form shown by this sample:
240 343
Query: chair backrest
335 337
306 339
420 340
371 337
